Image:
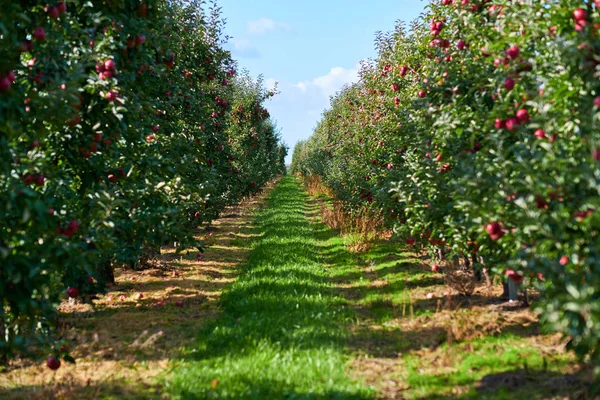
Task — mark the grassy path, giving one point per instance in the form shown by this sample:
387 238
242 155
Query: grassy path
281 333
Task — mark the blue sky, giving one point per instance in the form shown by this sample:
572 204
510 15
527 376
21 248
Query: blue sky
311 48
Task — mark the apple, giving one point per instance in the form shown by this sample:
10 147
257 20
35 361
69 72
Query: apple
435 268
53 12
112 178
140 296
500 123
523 116
461 45
140 39
111 96
541 203
540 134
5 84
509 84
580 14
73 226
494 229
53 363
512 124
403 70
179 303
410 241
39 180
422 93
109 65
564 260
62 7
73 293
39 34
513 52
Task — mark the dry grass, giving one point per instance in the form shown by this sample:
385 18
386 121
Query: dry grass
131 334
358 228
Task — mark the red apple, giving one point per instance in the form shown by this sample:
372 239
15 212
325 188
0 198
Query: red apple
39 34
5 84
513 52
39 180
179 303
53 363
540 134
461 45
109 65
523 116
435 268
512 124
111 96
72 292
53 12
494 229
62 7
580 14
509 84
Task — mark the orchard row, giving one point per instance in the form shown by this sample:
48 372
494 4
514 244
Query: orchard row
475 133
123 127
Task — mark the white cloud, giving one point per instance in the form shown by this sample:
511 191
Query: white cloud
264 25
244 48
332 82
303 86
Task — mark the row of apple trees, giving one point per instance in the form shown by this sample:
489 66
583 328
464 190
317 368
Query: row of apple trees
476 131
123 127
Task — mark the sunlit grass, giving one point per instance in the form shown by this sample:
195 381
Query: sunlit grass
281 333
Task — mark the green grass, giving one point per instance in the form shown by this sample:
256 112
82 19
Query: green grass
281 332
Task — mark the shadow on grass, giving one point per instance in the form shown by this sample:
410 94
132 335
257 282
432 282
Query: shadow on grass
517 384
91 391
280 333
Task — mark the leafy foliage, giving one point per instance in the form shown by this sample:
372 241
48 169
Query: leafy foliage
119 132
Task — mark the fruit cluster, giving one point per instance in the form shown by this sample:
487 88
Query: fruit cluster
475 132
119 133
